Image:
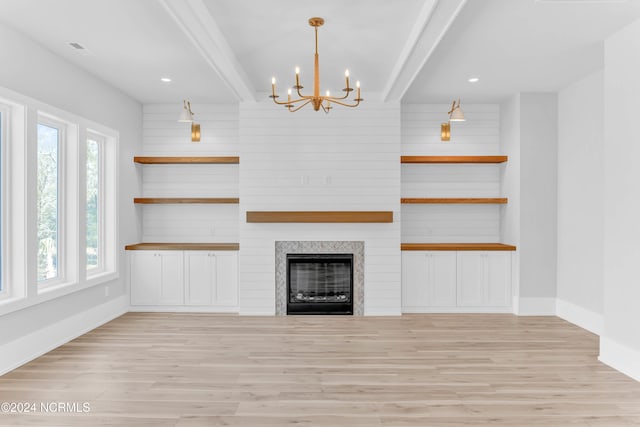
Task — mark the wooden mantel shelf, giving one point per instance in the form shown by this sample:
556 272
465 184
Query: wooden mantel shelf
453 159
320 216
455 200
456 247
179 200
183 247
187 160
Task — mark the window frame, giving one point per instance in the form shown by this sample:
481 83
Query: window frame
101 141
5 111
61 169
20 240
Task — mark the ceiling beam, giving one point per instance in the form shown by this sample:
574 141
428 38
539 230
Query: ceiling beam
433 22
194 19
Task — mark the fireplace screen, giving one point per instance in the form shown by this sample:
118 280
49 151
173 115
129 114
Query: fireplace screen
320 283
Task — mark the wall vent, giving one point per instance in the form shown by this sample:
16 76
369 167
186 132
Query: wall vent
78 48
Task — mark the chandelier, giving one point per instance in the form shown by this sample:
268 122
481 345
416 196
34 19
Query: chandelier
318 101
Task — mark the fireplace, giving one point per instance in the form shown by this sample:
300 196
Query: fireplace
320 283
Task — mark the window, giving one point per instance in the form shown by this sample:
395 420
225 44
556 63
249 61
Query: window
58 202
94 202
48 202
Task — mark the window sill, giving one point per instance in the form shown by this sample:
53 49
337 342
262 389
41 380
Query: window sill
13 304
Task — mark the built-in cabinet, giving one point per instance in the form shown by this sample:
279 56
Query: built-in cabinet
170 275
454 275
211 278
428 280
456 281
483 279
204 279
157 278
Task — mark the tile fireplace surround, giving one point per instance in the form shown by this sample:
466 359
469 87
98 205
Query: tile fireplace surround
319 247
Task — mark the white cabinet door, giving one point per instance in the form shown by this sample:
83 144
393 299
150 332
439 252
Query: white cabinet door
441 279
471 279
414 280
484 279
211 278
200 277
226 290
145 277
200 273
157 278
172 284
498 279
428 280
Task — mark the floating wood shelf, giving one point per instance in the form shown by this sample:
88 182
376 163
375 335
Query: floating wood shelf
456 247
463 200
320 216
453 159
183 247
180 200
187 160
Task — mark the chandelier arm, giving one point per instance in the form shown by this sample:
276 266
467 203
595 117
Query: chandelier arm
299 107
346 105
333 98
293 101
301 95
280 103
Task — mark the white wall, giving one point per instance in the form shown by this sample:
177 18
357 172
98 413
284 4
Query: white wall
510 186
580 202
348 160
620 342
31 70
165 136
538 201
529 138
478 135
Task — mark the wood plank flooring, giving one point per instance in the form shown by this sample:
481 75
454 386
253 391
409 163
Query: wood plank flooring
187 370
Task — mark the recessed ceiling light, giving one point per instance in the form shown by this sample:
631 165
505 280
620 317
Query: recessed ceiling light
474 79
165 79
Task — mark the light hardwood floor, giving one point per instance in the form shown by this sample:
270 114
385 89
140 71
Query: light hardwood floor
179 370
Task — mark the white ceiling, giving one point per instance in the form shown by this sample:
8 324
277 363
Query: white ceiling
519 46
223 51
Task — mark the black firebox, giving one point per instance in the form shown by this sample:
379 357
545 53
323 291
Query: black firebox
320 284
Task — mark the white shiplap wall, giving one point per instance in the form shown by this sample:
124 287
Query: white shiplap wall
479 135
164 136
347 160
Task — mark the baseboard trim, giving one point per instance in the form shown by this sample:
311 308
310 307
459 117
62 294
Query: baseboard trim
534 306
579 316
25 349
182 309
456 310
382 313
620 357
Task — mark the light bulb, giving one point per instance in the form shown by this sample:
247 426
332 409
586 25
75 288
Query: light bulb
289 92
358 84
346 73
328 93
297 70
273 80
